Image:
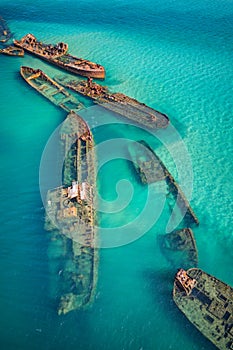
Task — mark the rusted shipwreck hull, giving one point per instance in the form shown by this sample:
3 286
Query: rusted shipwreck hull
57 55
12 51
118 103
50 89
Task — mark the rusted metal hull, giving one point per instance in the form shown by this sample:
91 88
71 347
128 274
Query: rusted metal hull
12 51
119 103
64 61
86 73
50 89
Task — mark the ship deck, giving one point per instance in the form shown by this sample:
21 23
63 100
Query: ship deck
70 207
75 62
74 217
47 87
209 307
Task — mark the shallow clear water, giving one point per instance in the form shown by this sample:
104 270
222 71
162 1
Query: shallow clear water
175 56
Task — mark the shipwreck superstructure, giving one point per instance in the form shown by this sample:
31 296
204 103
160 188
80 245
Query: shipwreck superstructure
207 302
70 207
58 55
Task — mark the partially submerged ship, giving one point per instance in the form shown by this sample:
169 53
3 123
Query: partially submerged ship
207 302
70 209
73 271
151 169
5 33
144 162
57 55
179 247
50 89
118 103
80 277
12 51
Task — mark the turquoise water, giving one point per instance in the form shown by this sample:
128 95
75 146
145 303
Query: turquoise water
175 56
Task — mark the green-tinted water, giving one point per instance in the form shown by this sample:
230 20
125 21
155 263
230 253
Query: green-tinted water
175 56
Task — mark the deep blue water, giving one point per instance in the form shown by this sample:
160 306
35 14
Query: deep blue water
175 56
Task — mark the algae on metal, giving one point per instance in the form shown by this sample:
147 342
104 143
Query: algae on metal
144 162
179 247
50 89
151 169
75 217
207 302
70 208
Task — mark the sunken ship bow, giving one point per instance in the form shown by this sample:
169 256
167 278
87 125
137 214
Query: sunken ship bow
58 55
207 302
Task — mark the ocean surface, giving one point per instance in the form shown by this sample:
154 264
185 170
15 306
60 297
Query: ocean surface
175 56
